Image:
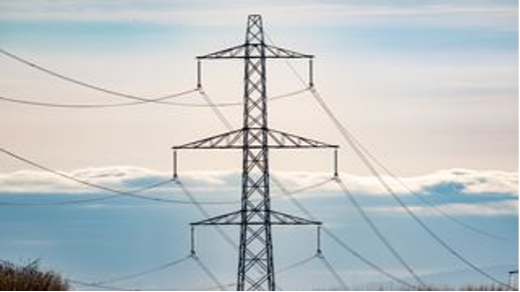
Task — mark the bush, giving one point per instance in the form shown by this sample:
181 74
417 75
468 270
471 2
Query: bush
30 278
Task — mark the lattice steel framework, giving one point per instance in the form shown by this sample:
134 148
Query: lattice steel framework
255 217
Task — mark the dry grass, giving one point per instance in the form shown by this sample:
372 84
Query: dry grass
30 278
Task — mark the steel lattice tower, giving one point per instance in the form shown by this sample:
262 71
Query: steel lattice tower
256 245
255 217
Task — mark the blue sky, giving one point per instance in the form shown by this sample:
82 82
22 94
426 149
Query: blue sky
431 87
122 236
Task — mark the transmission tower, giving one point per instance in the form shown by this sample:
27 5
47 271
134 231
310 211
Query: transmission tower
255 139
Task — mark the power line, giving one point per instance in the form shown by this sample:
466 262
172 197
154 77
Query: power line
143 273
373 226
233 104
335 238
348 137
215 109
327 264
96 105
342 243
103 284
76 81
100 187
216 287
205 213
344 132
309 187
333 271
288 62
247 252
278 272
423 199
378 232
104 287
366 261
118 195
227 124
389 172
296 264
300 190
218 228
208 272
159 100
83 201
137 100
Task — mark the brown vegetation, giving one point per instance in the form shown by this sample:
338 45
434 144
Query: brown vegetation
30 278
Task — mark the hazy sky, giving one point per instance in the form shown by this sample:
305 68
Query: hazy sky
431 87
427 85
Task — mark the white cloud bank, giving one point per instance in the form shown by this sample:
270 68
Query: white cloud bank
462 181
37 182
488 193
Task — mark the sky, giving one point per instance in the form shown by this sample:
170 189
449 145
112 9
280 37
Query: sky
430 87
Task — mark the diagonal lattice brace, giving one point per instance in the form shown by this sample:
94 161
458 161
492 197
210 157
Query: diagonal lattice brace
228 140
279 139
276 52
229 53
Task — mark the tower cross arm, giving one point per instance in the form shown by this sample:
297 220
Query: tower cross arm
276 218
243 52
234 140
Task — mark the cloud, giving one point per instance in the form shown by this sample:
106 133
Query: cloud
460 191
117 177
463 181
36 182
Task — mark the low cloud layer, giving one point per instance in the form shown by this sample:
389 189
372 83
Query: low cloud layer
459 191
464 181
461 180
